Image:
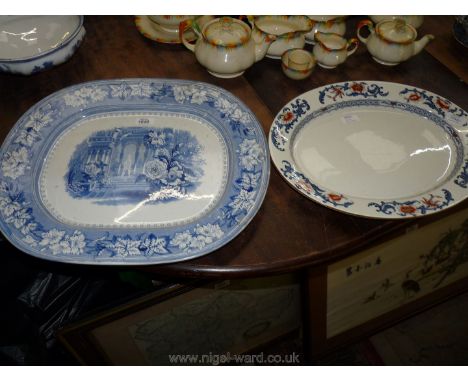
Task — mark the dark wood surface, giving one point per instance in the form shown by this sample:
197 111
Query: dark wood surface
445 48
289 232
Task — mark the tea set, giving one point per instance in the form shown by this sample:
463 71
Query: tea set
227 46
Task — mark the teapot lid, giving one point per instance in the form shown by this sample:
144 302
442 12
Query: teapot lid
226 31
396 31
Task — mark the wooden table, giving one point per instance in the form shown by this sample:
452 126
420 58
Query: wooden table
289 233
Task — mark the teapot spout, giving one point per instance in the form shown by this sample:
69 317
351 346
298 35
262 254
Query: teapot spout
421 43
262 43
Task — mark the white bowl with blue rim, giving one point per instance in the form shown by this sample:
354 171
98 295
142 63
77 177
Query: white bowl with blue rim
31 44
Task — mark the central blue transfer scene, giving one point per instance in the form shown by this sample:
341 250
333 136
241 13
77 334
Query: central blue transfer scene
134 164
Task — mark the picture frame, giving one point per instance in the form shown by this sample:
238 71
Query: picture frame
199 322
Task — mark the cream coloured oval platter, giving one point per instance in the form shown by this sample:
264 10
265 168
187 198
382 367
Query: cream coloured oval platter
373 149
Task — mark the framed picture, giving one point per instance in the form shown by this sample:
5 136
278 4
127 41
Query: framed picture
189 324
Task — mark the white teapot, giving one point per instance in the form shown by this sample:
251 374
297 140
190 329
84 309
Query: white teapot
392 41
226 46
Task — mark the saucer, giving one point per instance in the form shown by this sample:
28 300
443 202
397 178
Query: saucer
150 30
154 32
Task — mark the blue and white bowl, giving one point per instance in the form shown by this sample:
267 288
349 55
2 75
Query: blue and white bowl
31 44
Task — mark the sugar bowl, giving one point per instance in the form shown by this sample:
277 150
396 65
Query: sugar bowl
297 64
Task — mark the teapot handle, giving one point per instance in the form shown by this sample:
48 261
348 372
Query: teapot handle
364 23
352 41
183 26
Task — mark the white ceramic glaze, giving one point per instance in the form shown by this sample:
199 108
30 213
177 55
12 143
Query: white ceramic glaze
297 64
135 171
289 32
326 24
30 44
415 21
226 46
169 23
374 149
392 41
332 50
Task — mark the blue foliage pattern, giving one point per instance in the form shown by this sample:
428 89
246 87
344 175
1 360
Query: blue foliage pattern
438 104
251 157
462 178
302 183
43 66
414 207
355 89
126 165
170 165
286 120
18 213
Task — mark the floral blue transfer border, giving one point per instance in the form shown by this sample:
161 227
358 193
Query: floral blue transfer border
27 224
330 98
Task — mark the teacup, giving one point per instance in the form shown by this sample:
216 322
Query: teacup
169 23
297 64
332 49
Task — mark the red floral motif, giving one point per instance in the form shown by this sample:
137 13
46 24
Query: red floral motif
338 93
414 97
357 87
407 209
335 197
287 116
430 202
442 104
